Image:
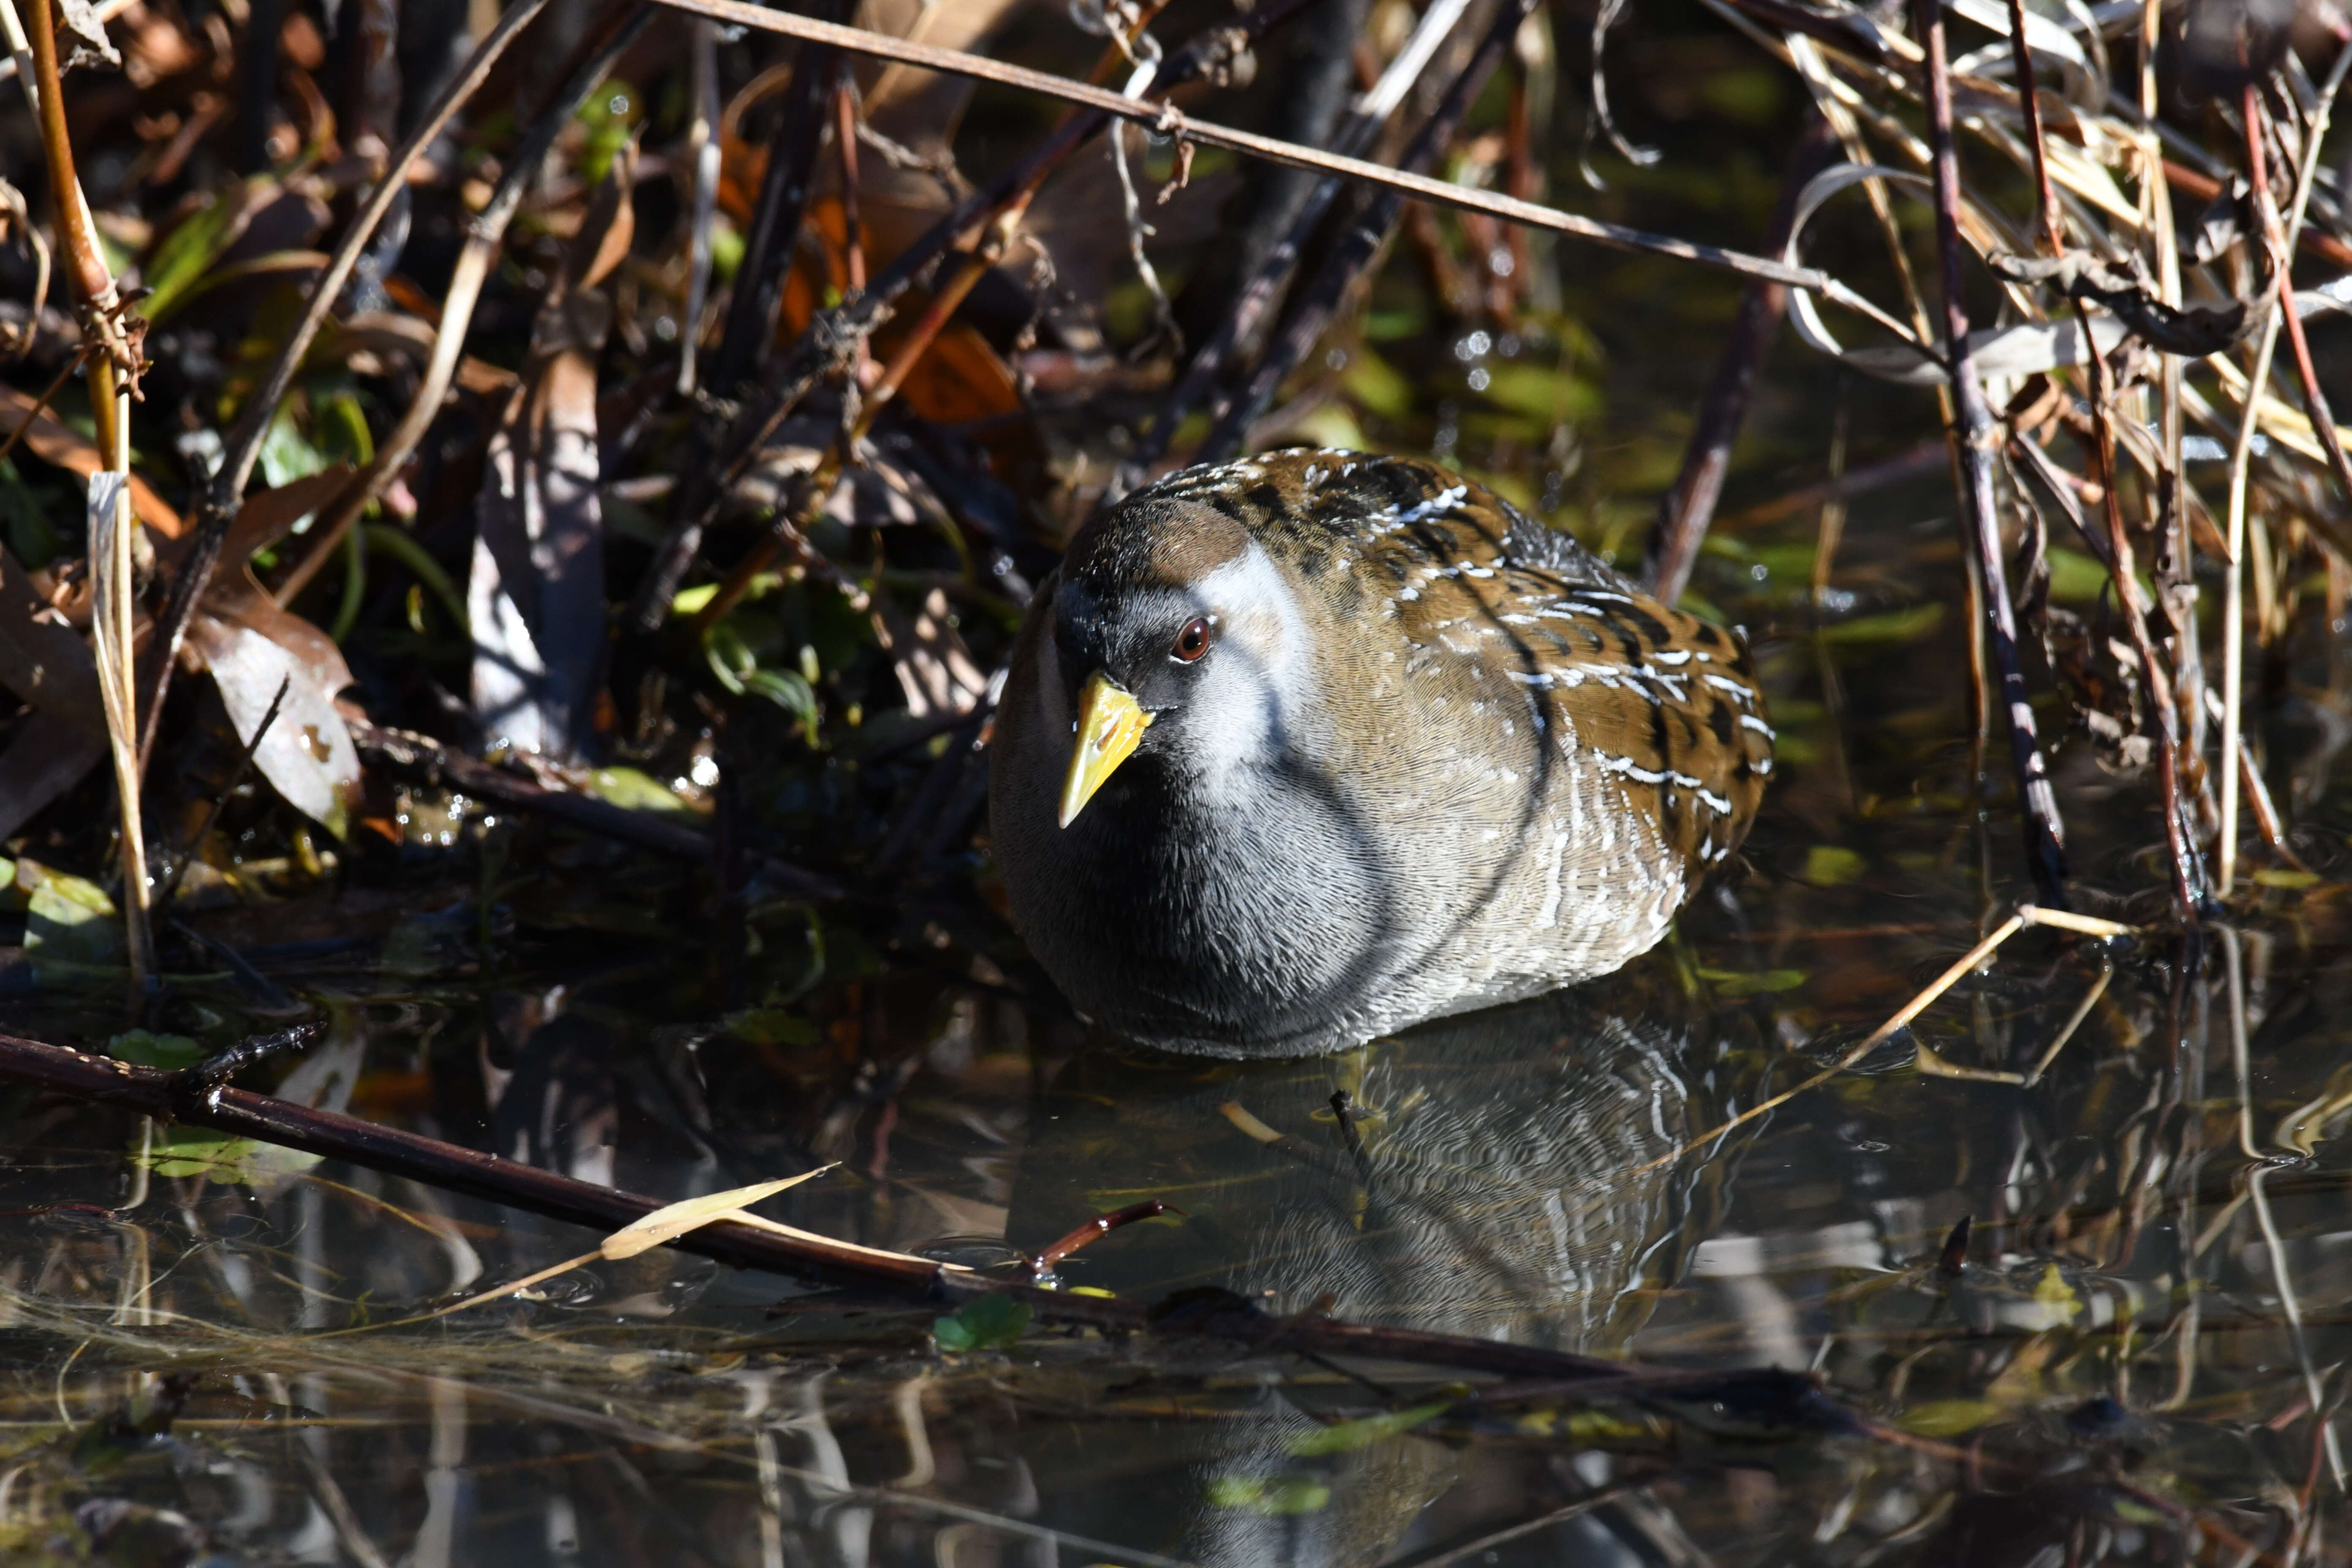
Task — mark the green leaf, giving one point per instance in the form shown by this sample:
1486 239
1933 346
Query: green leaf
1554 394
1274 1496
639 791
182 1151
690 601
1333 425
1830 866
287 454
1377 384
2079 579
142 1048
1349 1435
609 113
738 669
1895 626
1739 982
1948 1417
991 1322
71 926
2285 877
770 1026
188 252
726 247
24 526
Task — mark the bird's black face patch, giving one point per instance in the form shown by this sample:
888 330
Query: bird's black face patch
1129 634
1129 588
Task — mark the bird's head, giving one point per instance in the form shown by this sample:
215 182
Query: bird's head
1177 634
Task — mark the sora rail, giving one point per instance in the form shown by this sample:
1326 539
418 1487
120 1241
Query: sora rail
1301 750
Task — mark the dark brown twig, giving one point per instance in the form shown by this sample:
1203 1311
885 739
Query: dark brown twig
1688 506
1976 435
2186 864
241 1113
1102 1225
2315 401
426 762
1321 298
194 1088
852 223
776 215
2045 200
1343 1110
2187 869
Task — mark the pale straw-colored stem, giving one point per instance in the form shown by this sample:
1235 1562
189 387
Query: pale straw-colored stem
2233 611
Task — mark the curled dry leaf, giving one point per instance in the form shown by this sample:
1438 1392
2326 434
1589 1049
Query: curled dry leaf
252 646
61 447
87 28
307 756
2026 349
2195 332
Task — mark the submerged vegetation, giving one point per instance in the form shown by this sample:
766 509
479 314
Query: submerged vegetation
510 522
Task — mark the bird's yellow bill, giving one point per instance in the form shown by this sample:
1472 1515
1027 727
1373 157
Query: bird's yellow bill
1111 722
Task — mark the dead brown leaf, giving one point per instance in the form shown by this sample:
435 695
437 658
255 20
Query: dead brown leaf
42 661
61 447
47 755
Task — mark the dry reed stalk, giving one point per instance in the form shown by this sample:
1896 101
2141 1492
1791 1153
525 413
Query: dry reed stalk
113 371
702 153
1975 438
1165 119
2024 915
2284 234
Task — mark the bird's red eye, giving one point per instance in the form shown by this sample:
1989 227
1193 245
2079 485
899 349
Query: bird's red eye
1193 641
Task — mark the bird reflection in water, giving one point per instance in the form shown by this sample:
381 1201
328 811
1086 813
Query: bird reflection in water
1497 1186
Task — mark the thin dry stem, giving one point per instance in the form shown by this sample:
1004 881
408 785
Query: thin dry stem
2233 620
243 447
1168 120
113 369
484 237
2025 915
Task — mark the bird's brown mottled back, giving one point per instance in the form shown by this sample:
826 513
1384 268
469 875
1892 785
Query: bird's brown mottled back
1664 702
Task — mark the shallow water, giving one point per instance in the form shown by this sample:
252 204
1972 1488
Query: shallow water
2118 1359
2155 1293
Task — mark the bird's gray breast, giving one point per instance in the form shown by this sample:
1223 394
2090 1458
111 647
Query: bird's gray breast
1210 915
